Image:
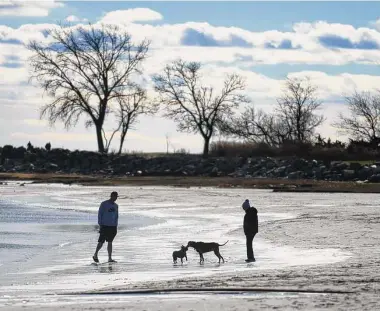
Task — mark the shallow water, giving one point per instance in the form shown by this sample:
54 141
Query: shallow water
48 234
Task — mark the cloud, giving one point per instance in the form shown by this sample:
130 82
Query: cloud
309 43
36 122
221 49
283 45
28 8
13 76
24 33
11 62
151 131
375 24
75 19
10 41
192 37
131 16
334 41
337 86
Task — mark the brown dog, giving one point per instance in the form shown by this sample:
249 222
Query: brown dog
180 254
203 247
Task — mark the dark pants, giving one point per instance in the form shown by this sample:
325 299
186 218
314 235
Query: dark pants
249 238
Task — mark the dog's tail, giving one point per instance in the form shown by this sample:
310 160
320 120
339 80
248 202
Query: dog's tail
223 244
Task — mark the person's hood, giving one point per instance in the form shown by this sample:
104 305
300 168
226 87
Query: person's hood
246 205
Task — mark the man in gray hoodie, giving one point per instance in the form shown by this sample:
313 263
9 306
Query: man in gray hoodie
108 216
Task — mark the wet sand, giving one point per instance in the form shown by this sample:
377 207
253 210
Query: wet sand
329 243
355 229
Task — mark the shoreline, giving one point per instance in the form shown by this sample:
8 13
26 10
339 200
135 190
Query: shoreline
320 233
277 185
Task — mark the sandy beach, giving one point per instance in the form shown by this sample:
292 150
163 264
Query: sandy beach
314 251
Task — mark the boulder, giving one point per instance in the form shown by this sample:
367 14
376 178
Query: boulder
51 167
280 171
296 175
364 173
349 174
374 178
355 166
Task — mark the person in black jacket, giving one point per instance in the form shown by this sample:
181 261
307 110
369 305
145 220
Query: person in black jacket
251 227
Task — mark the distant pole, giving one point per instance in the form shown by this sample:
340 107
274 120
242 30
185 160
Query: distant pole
167 143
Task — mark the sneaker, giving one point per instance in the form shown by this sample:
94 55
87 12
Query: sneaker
95 259
250 260
111 260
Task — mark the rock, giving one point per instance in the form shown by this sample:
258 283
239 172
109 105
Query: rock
374 178
280 171
355 166
270 163
214 172
51 167
348 174
364 173
89 162
299 164
295 175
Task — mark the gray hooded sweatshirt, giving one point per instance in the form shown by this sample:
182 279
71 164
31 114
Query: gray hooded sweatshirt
108 214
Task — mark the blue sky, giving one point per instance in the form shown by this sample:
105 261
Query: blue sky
335 43
253 15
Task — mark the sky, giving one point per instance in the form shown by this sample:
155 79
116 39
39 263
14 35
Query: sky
335 44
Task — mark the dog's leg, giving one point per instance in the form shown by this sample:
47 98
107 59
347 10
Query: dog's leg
217 253
186 257
181 260
200 257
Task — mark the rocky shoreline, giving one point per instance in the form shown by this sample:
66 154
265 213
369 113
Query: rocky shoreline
276 185
280 174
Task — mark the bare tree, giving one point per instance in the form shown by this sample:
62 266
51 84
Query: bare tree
249 125
297 108
363 121
131 106
194 107
107 141
85 69
258 127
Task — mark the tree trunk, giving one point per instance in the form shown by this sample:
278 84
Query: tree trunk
122 137
206 146
99 136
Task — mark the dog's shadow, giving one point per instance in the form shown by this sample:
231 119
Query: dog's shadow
179 265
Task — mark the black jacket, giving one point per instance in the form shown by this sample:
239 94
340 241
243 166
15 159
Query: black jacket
251 223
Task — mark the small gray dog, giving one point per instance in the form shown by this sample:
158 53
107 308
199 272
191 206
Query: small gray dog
203 247
180 254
